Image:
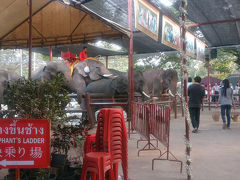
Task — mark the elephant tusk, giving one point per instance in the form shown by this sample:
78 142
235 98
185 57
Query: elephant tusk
170 92
179 95
107 75
145 94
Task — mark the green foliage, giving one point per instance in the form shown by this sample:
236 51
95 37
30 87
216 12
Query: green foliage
161 60
233 53
117 62
226 63
40 100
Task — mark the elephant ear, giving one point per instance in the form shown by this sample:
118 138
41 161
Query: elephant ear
80 70
120 85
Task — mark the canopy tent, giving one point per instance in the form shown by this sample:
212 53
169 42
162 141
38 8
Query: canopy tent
213 80
53 23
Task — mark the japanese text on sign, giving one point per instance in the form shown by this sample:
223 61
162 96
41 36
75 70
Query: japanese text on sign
24 143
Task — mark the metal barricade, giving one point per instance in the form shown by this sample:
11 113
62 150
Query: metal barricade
141 124
160 129
160 122
153 119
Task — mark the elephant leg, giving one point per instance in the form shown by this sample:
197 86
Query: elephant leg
79 97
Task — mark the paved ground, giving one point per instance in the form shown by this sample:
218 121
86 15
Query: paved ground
215 153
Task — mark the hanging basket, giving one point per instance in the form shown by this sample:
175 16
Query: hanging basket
234 116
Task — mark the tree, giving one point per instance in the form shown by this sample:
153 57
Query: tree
234 53
227 62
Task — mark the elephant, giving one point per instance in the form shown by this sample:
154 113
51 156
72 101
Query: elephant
108 87
111 87
157 81
84 72
6 76
138 79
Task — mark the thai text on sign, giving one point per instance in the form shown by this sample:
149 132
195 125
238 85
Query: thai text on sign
24 143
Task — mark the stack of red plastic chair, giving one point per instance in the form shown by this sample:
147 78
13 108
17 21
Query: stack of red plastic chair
89 144
111 144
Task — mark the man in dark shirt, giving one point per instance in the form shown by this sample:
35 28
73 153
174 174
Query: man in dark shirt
196 93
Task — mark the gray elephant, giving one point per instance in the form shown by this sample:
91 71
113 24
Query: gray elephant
6 76
84 73
157 81
138 79
111 87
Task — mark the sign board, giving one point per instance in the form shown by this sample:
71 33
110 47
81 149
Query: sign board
146 18
170 33
24 143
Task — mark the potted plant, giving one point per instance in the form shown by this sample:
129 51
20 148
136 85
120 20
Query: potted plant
39 100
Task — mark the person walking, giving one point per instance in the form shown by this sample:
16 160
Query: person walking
189 81
215 89
226 100
196 94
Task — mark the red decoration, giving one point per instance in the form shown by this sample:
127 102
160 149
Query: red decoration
68 55
24 143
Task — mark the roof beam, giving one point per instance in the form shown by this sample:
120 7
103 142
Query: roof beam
213 22
38 32
1 38
81 20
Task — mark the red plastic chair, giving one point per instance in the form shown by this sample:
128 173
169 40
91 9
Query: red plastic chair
98 162
89 144
111 137
118 141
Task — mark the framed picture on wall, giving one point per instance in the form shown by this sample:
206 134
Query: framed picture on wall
146 18
201 48
190 44
170 33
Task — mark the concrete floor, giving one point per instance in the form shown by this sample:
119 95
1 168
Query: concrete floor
215 153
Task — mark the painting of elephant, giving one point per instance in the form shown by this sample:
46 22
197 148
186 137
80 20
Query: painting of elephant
6 76
80 78
157 81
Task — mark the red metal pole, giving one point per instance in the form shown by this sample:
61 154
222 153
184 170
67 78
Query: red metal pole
239 77
17 174
107 62
208 85
30 40
50 53
130 66
175 106
184 61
